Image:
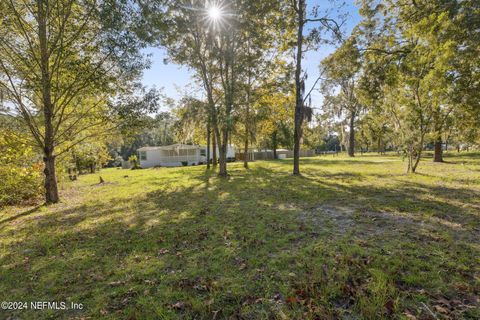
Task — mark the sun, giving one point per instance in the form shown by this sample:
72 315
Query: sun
214 13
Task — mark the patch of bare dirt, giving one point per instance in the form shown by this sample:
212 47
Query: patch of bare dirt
344 219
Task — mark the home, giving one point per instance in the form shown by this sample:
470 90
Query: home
177 155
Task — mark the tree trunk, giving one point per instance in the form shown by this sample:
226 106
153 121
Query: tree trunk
418 155
409 158
223 154
164 142
438 156
245 150
274 145
247 130
51 189
438 126
214 150
297 134
351 136
415 155
208 144
342 139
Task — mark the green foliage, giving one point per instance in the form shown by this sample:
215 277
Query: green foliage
191 121
66 68
20 169
134 162
230 56
88 156
417 59
157 131
274 112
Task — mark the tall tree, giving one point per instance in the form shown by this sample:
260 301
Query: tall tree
341 73
60 63
415 56
301 20
221 42
189 41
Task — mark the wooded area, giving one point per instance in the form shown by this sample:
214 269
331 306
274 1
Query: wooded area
404 79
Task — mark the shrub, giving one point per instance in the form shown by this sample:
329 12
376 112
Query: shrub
134 162
20 170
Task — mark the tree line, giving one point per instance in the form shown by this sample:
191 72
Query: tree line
406 76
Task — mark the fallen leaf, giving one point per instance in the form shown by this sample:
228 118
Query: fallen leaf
209 302
409 315
389 306
282 315
277 297
178 305
163 251
441 309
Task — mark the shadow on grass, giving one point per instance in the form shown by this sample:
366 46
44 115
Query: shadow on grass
237 248
22 214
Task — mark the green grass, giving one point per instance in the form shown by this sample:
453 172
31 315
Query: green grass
350 239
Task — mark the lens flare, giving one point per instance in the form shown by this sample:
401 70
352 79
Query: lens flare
214 13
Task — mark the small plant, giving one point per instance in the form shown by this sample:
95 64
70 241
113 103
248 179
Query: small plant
184 163
134 162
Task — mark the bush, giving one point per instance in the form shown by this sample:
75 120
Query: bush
134 162
20 170
19 184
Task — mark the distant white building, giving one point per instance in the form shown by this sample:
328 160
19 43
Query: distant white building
177 155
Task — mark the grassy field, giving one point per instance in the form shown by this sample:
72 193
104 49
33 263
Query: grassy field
350 239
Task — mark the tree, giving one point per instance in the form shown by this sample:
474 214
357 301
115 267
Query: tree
416 61
266 113
61 61
189 41
192 118
241 45
341 73
147 131
222 50
302 111
275 115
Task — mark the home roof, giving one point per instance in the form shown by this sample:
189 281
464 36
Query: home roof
170 147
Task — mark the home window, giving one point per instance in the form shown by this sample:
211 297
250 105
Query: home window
203 152
143 155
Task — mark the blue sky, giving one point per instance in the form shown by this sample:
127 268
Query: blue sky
176 79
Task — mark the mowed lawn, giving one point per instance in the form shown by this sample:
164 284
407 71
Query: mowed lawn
350 239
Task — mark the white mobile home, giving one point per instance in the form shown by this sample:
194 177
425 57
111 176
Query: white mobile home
177 155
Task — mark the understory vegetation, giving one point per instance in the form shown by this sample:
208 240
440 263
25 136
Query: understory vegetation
353 238
20 170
